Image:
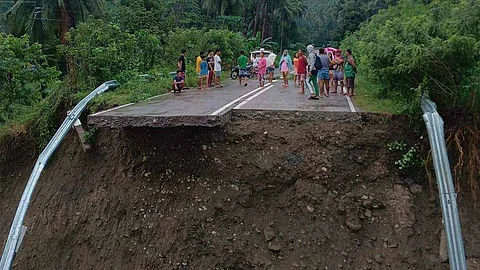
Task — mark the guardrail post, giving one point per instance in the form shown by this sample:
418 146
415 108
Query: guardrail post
446 189
17 230
81 135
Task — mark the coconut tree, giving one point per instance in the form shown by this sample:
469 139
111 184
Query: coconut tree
46 19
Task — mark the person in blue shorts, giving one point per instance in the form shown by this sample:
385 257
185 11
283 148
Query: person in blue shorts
204 72
243 72
323 74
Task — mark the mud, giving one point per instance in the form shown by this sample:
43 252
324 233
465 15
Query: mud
268 191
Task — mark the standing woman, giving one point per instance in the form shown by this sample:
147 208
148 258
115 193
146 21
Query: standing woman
262 69
285 66
295 68
350 70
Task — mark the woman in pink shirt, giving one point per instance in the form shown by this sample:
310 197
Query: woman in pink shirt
262 69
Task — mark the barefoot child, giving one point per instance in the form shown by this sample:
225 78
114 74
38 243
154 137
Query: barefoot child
285 66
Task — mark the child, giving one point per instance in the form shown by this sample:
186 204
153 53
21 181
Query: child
285 65
270 71
262 69
204 72
178 82
295 68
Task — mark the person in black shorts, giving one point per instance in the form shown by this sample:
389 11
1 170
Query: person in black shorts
210 63
181 64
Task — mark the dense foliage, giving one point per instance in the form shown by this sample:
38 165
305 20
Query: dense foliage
26 77
429 47
100 51
48 20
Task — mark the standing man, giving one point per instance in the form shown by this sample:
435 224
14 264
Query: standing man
323 74
312 72
350 71
243 73
218 67
181 64
338 74
210 63
198 69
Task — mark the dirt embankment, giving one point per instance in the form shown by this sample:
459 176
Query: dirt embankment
263 193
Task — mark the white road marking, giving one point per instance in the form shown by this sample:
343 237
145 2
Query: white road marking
217 112
350 104
123 106
113 109
252 97
148 99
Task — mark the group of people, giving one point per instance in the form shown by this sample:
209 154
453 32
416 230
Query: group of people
208 68
323 71
319 72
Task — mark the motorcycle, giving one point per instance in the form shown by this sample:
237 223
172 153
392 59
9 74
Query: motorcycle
236 70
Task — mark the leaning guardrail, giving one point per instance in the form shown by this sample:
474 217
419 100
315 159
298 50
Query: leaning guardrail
17 230
448 196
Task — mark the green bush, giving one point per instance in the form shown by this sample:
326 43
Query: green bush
432 47
99 51
26 79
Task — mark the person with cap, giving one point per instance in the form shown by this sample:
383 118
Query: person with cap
312 72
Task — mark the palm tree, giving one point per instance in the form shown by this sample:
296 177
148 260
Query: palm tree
45 19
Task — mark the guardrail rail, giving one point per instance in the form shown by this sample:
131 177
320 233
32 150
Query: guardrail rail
446 189
18 230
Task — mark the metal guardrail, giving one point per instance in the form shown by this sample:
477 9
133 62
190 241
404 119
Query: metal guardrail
18 230
448 196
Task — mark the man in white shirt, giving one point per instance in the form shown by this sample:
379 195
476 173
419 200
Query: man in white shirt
218 67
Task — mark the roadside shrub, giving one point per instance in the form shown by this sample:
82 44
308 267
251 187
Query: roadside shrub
414 44
99 51
26 79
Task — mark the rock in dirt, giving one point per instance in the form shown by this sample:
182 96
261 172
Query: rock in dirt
368 213
274 246
378 258
354 226
310 209
204 147
416 189
269 234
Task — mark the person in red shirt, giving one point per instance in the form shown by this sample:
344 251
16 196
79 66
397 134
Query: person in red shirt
302 69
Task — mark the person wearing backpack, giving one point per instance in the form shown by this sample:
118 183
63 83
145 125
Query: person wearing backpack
312 72
323 74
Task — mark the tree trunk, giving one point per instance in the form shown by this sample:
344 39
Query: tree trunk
245 31
255 20
265 15
64 24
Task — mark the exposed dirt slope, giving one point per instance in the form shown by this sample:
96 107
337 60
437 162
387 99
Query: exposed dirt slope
267 192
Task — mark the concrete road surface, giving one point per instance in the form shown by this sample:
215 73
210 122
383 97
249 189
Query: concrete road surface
212 107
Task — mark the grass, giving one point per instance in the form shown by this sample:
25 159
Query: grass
365 98
38 120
